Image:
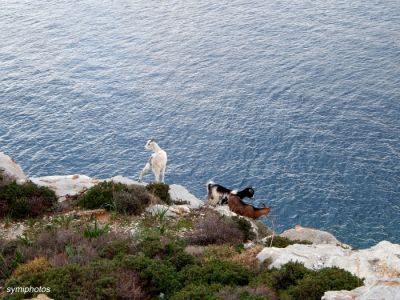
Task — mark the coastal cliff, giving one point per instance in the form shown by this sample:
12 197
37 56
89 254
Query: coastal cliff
172 246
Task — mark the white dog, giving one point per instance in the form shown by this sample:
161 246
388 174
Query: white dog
157 161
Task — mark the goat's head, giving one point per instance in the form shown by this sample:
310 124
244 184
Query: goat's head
249 191
150 144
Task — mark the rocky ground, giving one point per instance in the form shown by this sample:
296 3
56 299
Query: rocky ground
379 265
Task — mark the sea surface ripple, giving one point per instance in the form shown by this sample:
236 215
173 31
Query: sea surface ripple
300 99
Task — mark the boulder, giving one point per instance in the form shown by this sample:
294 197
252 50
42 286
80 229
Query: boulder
312 235
179 193
380 262
11 168
383 290
66 184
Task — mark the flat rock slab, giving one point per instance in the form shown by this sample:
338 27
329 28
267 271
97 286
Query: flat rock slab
66 184
179 193
124 180
382 290
310 234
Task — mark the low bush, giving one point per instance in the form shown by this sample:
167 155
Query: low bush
122 198
198 292
128 286
159 276
160 190
102 279
153 245
25 201
63 246
283 242
116 248
246 293
37 265
313 285
287 275
248 258
294 281
10 258
101 195
215 229
216 271
133 201
245 226
219 252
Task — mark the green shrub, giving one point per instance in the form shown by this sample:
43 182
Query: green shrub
10 258
216 271
101 195
116 248
102 279
294 281
315 284
197 292
288 275
176 255
160 190
153 244
283 242
215 229
132 201
116 196
159 276
25 201
69 246
246 293
150 244
244 226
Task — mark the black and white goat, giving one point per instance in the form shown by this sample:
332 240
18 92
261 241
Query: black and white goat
218 195
157 161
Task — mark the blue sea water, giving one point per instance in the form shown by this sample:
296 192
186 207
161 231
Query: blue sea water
300 99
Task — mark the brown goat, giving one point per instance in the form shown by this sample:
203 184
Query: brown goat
238 206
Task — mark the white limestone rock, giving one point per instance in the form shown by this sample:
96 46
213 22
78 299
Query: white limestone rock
381 290
312 235
223 210
124 180
66 184
8 232
380 262
10 167
179 193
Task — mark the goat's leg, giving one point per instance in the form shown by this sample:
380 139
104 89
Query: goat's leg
163 174
146 169
156 172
